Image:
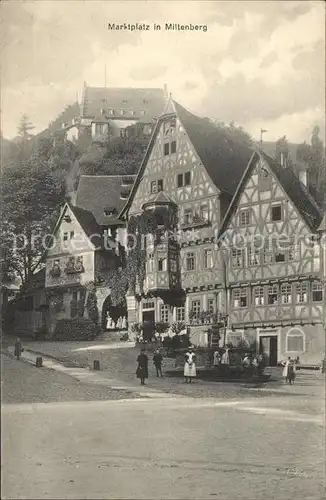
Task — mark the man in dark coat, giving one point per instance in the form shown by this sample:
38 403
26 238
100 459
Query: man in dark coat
142 369
18 348
157 359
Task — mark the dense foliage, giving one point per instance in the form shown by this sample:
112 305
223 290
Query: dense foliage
31 192
76 329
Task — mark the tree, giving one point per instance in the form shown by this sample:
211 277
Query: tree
313 155
24 127
31 192
234 132
282 149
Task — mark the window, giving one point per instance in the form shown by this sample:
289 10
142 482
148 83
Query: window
276 213
240 297
187 179
74 295
317 292
173 263
110 112
122 112
208 259
148 305
245 217
280 257
170 148
286 294
254 256
293 252
142 112
236 257
156 186
295 341
302 293
166 148
180 314
98 129
173 147
204 214
268 254
162 264
259 298
65 236
184 179
210 305
264 179
169 128
195 307
187 218
150 263
164 313
190 261
272 295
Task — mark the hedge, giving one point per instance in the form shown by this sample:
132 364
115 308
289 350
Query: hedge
76 329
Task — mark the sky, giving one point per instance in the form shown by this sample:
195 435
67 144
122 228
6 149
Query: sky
260 64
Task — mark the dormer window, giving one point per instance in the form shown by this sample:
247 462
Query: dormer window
110 211
124 101
110 112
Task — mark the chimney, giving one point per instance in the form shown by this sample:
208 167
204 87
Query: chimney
165 88
303 176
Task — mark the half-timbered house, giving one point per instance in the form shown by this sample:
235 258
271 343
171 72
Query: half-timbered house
186 181
272 256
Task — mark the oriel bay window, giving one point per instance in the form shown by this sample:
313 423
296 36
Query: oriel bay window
272 296
286 294
317 292
301 293
240 297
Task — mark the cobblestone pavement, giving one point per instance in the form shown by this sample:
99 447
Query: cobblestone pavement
23 383
120 363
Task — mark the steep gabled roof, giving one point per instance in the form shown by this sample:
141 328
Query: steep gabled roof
322 225
223 158
137 100
95 193
269 148
294 189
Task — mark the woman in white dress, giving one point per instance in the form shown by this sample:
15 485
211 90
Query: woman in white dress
190 366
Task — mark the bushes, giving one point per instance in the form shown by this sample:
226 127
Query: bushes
76 329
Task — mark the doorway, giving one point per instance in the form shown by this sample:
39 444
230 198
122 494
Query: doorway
268 348
148 325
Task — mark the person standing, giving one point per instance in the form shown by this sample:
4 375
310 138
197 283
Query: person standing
18 348
216 358
142 369
190 366
157 359
286 365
